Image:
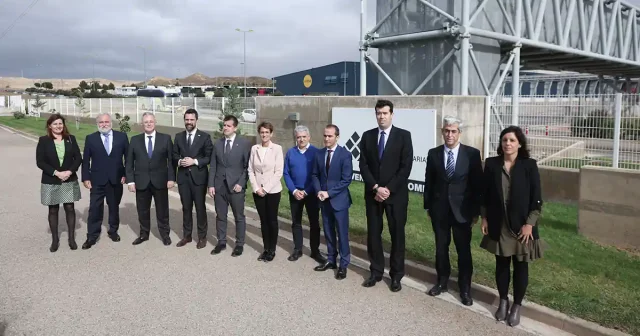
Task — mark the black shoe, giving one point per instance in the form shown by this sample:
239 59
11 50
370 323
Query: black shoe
466 299
114 237
437 290
514 315
270 255
237 251
342 273
166 241
503 310
295 255
317 256
327 265
263 255
54 245
371 281
87 244
396 286
140 240
219 248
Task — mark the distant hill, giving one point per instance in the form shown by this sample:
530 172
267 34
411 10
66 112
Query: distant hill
21 83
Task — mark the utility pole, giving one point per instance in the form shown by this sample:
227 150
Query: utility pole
144 64
244 57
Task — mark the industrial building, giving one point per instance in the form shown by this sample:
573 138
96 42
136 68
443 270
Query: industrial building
337 79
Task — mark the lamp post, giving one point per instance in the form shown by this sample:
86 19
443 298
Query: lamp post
244 57
144 63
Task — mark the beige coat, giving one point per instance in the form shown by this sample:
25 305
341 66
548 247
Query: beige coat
265 171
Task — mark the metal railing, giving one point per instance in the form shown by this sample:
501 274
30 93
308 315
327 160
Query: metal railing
168 111
572 131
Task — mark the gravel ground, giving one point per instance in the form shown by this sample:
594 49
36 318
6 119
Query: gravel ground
151 289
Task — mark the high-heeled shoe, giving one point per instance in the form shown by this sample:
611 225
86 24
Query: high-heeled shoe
514 315
72 244
503 310
55 243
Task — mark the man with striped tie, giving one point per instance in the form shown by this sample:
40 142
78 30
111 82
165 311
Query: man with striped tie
452 197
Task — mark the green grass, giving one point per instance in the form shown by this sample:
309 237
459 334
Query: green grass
576 276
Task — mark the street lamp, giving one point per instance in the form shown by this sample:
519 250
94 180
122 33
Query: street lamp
144 63
244 57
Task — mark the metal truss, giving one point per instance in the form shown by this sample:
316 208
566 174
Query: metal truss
604 42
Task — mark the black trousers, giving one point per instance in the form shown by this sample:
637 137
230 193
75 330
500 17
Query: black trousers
267 207
313 214
442 228
396 219
520 278
143 205
191 194
113 194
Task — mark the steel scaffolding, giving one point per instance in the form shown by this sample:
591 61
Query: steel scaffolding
604 42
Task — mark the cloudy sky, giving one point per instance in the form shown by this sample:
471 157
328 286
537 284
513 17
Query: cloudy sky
63 38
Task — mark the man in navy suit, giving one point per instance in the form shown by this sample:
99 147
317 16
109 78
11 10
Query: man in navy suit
103 174
331 177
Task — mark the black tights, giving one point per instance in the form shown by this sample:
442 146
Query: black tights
520 278
70 214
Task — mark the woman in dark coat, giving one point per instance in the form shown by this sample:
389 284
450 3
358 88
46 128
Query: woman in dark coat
58 156
512 206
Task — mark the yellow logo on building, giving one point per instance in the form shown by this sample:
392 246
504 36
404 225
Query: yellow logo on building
307 81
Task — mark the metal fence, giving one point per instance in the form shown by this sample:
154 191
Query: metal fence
572 131
168 111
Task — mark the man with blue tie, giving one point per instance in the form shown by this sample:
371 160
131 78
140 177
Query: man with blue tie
103 174
331 177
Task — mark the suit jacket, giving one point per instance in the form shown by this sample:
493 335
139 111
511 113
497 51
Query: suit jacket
525 195
47 159
462 193
158 169
99 167
337 182
393 170
201 149
231 167
266 171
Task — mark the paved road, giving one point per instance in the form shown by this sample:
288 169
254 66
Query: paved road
151 289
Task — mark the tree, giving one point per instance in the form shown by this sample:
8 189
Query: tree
37 85
124 123
37 105
80 104
47 85
83 86
111 87
232 106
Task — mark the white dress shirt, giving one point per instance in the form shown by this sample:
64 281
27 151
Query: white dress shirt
455 151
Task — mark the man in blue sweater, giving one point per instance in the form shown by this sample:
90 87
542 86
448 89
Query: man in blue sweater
298 163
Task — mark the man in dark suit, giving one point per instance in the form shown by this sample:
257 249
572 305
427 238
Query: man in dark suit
103 174
386 159
150 174
228 183
452 198
331 177
191 154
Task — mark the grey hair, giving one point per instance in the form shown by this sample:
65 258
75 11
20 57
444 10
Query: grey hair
101 115
148 113
451 120
301 128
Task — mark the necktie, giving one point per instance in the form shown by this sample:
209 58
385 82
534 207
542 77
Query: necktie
106 143
450 167
227 148
149 146
189 140
327 164
381 145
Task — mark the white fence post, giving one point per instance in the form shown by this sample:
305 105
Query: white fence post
90 107
487 125
173 112
137 110
111 106
195 103
123 113
99 105
616 130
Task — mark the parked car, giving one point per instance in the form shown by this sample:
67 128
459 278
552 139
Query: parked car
249 115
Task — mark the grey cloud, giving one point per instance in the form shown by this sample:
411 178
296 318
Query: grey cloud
181 37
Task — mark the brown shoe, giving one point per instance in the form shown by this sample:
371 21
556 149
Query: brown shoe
184 242
201 243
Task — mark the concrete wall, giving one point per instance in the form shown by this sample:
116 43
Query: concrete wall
559 184
608 206
315 113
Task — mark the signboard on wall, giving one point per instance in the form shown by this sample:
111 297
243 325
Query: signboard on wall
422 123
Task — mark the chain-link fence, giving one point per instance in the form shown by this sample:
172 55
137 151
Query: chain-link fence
572 131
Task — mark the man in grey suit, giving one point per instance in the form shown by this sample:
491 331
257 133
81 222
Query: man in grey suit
228 181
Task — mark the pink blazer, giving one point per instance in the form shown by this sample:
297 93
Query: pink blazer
266 170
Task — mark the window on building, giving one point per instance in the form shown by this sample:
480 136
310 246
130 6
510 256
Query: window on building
331 80
344 78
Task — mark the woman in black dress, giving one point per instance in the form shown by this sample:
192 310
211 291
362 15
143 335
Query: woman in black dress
59 157
512 206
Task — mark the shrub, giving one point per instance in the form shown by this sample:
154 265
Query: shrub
19 115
